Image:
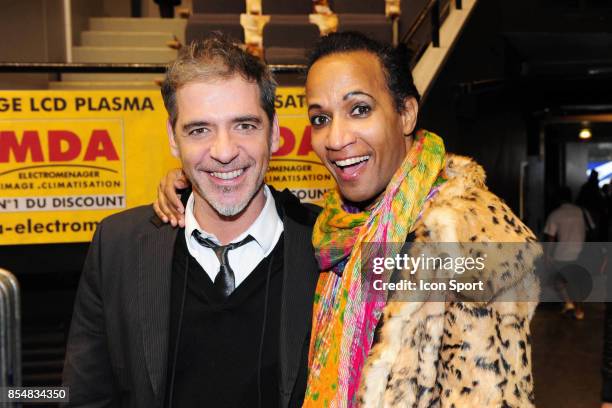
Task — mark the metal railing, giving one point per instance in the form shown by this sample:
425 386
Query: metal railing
10 331
433 12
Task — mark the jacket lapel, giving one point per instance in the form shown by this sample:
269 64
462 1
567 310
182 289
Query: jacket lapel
155 251
300 276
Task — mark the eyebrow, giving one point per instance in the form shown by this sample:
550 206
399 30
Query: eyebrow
193 124
248 118
239 119
344 98
355 93
314 106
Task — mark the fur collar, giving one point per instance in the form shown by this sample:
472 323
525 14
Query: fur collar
457 351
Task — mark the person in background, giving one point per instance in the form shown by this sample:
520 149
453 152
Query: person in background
166 7
590 197
606 369
397 184
567 226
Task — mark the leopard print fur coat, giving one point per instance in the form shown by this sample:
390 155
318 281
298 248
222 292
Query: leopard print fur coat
458 353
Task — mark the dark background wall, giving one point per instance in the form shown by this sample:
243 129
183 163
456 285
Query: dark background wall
517 66
486 123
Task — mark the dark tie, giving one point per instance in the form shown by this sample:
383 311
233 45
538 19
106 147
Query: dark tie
225 282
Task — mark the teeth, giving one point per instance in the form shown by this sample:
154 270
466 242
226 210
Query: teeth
352 160
228 175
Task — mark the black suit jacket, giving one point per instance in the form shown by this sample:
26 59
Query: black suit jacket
118 342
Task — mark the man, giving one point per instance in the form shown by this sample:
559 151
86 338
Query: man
216 313
567 225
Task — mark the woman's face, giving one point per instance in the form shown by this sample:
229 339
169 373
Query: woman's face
357 131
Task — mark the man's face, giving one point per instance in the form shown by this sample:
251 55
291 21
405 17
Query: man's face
224 140
356 129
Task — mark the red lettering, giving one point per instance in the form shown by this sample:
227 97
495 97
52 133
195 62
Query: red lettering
100 145
72 142
288 142
29 143
306 143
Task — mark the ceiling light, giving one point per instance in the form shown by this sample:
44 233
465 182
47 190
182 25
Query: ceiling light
585 133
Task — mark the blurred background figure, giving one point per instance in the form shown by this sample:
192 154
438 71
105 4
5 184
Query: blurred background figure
592 199
166 7
567 225
606 191
606 369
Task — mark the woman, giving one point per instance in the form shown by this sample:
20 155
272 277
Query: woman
394 185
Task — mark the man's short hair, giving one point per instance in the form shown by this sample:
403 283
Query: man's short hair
565 194
395 62
213 58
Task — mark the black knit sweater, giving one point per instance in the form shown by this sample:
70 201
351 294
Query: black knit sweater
217 358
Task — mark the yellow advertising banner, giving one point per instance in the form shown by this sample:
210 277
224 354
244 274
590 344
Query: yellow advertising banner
295 165
68 159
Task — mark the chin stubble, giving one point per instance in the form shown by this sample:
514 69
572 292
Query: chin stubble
231 210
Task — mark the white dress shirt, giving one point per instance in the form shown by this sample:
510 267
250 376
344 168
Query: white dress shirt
266 230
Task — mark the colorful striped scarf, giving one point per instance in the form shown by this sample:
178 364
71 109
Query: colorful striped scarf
344 321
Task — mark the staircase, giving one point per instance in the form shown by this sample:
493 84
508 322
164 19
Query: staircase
123 40
431 62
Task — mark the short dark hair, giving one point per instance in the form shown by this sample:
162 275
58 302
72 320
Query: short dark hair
216 56
565 194
395 62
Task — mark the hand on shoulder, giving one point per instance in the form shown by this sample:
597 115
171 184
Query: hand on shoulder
168 205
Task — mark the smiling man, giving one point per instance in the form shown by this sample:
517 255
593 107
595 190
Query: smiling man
360 135
397 184
216 313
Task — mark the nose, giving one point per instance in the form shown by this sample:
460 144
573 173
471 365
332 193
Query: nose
340 135
224 148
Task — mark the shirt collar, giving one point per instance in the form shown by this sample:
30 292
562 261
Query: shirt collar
259 229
